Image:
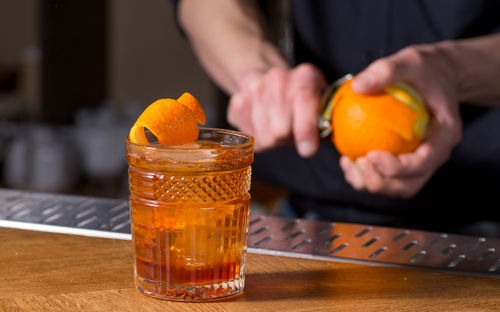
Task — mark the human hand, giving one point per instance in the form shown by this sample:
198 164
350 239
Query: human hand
428 70
279 106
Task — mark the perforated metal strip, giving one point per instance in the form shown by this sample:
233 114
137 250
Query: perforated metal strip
300 238
375 244
64 210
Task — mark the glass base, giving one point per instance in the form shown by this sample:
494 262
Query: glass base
191 293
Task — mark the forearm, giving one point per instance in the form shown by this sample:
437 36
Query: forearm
476 63
229 39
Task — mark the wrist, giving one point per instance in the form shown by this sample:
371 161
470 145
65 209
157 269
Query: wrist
448 50
475 63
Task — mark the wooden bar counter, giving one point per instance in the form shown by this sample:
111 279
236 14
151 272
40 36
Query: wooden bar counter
42 271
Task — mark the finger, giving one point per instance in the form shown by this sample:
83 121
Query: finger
306 83
404 188
258 116
373 180
278 109
386 71
392 187
408 165
430 155
384 163
363 176
352 174
238 113
304 104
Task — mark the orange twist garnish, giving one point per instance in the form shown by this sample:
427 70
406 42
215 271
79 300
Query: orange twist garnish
172 122
188 100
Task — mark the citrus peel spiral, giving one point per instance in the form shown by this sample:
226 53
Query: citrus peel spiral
173 122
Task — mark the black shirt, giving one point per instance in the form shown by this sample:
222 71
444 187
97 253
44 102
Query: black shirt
344 36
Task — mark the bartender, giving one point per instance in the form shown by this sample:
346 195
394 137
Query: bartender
448 50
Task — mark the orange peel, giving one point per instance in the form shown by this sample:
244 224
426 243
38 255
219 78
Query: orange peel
192 103
172 122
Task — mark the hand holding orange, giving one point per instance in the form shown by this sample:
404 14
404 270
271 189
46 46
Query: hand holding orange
173 122
394 120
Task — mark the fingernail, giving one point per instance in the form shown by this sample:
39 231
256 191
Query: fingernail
357 178
255 83
346 165
362 167
372 157
236 99
376 164
362 83
305 149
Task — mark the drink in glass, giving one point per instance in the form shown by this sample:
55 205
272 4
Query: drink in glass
189 207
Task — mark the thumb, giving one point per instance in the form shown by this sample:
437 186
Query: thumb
364 82
382 73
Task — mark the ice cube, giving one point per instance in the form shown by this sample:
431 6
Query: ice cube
197 151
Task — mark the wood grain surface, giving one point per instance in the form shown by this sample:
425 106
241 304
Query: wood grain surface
56 272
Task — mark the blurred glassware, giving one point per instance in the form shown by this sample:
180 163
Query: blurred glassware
42 159
101 137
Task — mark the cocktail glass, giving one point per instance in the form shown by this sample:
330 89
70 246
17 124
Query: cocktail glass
189 208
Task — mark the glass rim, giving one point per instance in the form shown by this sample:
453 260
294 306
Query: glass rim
247 144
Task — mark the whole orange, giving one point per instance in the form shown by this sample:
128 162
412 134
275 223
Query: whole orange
393 120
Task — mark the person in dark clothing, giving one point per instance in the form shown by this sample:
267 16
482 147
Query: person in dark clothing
448 50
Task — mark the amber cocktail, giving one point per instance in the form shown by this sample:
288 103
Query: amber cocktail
189 208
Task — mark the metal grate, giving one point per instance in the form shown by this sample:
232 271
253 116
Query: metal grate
369 244
64 210
274 235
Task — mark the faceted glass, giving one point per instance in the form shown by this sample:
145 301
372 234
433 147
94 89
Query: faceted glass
189 208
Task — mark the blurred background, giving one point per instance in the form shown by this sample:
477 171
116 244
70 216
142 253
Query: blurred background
74 77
